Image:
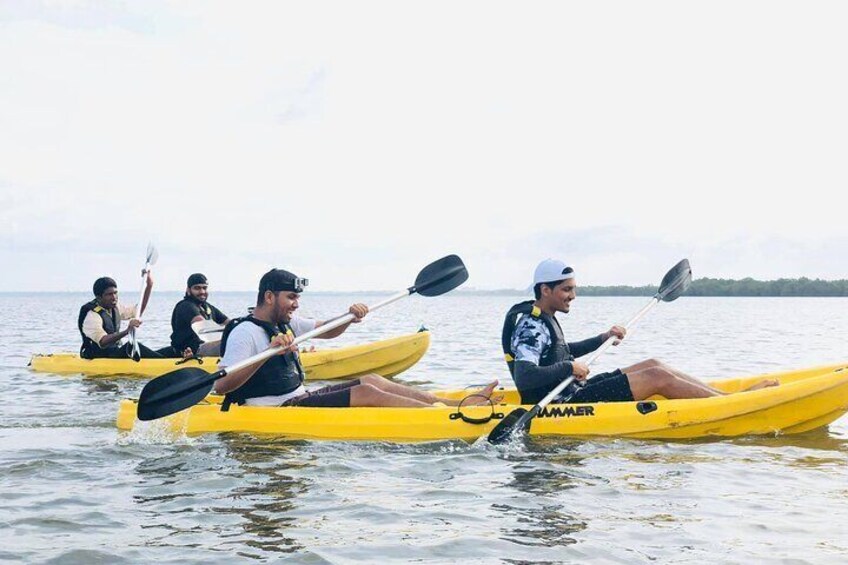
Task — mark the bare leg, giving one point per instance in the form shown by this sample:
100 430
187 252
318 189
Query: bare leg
657 364
369 395
765 383
422 396
209 349
656 380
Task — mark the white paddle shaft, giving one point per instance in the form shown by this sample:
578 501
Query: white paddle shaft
133 337
323 328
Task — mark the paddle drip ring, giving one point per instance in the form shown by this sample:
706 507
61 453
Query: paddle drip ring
492 416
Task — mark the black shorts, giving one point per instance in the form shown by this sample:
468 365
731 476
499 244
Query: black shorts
604 387
331 396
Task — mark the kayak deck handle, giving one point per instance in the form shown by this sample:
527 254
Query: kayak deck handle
458 415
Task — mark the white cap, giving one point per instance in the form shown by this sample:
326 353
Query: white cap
551 270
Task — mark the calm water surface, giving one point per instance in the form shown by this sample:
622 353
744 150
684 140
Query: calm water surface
75 490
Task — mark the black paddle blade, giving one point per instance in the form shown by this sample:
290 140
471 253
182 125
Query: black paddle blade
675 282
175 391
440 277
506 427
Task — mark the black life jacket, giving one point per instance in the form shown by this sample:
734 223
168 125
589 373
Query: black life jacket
558 351
205 309
111 324
183 336
281 374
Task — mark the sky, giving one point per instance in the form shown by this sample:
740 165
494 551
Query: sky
355 142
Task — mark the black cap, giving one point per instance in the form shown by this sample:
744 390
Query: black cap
277 280
196 278
101 284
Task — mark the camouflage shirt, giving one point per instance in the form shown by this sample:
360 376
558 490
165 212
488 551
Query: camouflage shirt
530 340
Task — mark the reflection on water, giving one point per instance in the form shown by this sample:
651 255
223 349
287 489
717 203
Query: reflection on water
820 439
540 468
267 501
544 525
246 491
538 523
94 386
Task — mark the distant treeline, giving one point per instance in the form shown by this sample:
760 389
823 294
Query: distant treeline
707 287
731 287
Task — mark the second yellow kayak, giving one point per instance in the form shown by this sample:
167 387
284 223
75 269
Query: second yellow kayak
387 357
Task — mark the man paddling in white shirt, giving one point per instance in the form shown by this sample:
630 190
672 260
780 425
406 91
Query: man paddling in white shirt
99 322
278 381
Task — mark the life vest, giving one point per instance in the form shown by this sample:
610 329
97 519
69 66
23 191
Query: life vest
281 374
205 309
111 324
183 336
558 351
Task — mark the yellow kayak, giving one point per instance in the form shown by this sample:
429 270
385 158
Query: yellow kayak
387 358
806 399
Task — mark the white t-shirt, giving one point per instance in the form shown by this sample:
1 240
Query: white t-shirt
92 324
301 325
248 339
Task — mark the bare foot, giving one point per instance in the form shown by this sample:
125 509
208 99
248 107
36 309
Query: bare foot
763 384
482 396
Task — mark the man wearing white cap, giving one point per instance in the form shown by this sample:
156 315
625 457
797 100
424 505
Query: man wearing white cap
539 358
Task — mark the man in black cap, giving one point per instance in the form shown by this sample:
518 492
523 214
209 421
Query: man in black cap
194 308
278 381
99 322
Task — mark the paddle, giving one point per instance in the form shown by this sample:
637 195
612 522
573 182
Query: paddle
208 330
152 257
186 387
674 284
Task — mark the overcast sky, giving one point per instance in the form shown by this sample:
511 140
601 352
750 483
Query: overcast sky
354 142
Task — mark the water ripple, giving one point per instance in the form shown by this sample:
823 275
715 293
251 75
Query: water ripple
77 491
